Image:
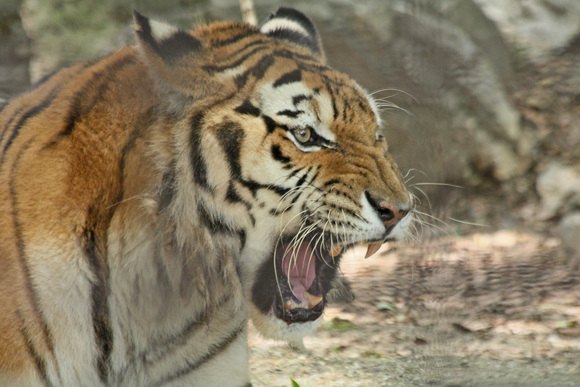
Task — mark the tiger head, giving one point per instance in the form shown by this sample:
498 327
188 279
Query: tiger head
278 150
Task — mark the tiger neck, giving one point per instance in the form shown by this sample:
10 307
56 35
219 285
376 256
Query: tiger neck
178 263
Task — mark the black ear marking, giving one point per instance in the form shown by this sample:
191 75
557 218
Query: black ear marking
292 25
143 28
168 42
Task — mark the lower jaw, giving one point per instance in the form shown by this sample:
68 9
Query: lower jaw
270 326
298 315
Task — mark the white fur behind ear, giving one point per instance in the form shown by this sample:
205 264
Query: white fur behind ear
161 31
283 24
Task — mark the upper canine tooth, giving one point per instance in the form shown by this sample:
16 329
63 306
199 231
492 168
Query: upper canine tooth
312 299
373 248
335 250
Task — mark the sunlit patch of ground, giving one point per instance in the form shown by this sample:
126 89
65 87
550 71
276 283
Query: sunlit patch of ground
500 309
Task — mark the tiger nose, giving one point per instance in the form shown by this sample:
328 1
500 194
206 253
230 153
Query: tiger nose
389 213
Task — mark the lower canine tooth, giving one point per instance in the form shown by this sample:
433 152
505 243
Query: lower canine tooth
373 248
335 250
312 299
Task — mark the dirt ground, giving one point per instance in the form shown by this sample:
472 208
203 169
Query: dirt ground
499 309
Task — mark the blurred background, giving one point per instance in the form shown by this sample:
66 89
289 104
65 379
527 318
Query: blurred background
482 110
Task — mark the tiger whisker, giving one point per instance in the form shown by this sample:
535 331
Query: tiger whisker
398 91
426 197
438 184
468 223
127 200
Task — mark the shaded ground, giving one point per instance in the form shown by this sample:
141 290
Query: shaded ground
501 309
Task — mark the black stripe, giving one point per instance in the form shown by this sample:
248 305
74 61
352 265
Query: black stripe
254 186
196 154
278 156
284 53
242 236
332 97
248 108
290 113
212 221
345 110
80 106
167 189
365 106
237 38
363 167
213 351
299 98
230 135
233 196
291 77
303 178
331 182
163 347
258 70
30 288
260 43
347 195
32 112
217 69
94 244
39 362
96 257
294 172
271 125
300 183
263 64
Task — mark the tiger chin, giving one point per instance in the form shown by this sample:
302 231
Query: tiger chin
155 200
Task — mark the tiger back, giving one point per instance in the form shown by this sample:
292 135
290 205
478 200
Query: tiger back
154 200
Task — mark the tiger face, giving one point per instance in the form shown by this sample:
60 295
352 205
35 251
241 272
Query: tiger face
298 166
152 200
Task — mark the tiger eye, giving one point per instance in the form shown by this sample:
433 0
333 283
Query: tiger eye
303 134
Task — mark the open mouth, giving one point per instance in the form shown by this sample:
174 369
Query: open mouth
294 286
306 273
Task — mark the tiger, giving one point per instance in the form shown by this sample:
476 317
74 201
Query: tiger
157 203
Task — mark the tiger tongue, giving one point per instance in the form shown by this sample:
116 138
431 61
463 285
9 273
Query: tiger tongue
298 264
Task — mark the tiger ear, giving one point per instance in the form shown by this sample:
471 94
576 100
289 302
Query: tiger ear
293 26
167 42
173 56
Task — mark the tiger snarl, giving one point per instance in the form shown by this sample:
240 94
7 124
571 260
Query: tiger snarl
152 200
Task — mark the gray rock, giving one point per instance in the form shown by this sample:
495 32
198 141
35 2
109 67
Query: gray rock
536 26
559 189
569 230
15 52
